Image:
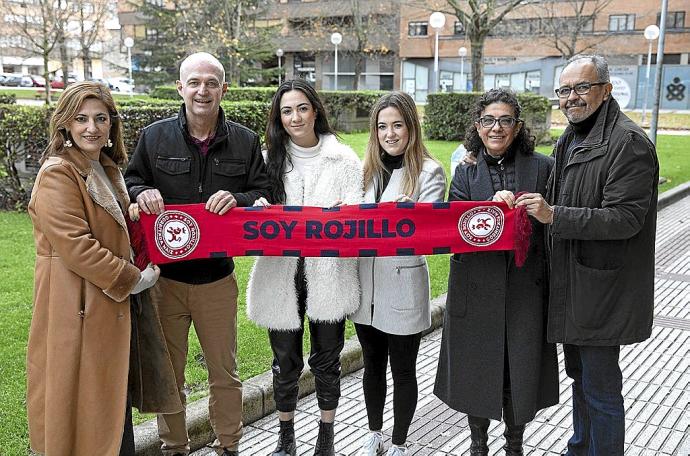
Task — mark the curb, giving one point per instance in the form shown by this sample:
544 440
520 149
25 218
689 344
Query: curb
671 196
257 395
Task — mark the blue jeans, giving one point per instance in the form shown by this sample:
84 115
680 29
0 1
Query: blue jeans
598 413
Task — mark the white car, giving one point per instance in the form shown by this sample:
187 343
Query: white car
124 85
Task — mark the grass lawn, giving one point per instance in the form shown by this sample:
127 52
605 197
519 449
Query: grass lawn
16 269
667 120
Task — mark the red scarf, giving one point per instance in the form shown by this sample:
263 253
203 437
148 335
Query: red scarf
185 232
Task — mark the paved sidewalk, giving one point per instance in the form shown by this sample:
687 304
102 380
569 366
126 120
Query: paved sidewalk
656 383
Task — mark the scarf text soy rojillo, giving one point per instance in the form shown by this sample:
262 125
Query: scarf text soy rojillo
185 232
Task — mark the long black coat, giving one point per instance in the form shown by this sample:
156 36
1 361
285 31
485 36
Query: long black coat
492 305
603 233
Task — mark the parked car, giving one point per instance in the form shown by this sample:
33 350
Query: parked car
13 80
105 82
36 81
58 83
125 85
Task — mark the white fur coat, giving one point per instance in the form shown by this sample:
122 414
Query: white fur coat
333 290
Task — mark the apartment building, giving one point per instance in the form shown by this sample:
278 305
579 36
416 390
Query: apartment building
520 52
368 52
78 18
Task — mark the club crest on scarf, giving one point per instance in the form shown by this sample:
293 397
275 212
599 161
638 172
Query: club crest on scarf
481 226
177 234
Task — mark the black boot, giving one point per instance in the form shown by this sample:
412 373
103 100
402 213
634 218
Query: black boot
513 435
286 440
479 428
324 442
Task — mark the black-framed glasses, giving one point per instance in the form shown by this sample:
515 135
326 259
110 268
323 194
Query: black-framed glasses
503 121
582 88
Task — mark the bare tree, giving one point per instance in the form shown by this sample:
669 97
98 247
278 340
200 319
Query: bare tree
564 22
480 17
87 26
40 23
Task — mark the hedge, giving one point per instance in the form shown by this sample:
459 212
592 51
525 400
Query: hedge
233 93
447 115
8 98
342 106
24 135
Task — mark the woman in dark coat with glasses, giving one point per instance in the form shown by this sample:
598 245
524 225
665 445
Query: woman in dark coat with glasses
495 362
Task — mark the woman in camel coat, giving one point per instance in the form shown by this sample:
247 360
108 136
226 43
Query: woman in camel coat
79 341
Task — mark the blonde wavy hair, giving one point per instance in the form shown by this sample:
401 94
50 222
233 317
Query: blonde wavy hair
415 152
67 108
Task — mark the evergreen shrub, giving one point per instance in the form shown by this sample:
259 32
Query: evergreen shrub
448 115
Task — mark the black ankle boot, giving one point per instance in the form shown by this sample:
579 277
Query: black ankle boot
286 440
513 435
324 442
479 428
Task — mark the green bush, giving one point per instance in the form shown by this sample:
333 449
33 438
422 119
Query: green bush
447 115
8 98
24 135
233 93
347 110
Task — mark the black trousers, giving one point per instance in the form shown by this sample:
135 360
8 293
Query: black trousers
377 348
127 445
327 341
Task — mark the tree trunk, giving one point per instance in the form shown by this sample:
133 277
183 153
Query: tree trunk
64 60
46 73
86 58
359 63
477 46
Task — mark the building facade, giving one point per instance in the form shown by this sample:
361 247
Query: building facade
367 54
80 20
521 51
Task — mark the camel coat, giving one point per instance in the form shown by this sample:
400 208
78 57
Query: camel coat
79 341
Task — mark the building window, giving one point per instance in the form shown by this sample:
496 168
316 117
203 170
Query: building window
621 22
418 29
458 28
674 19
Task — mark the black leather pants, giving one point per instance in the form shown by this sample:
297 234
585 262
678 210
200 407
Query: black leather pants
327 340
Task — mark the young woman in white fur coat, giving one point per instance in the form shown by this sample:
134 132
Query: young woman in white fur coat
307 166
395 290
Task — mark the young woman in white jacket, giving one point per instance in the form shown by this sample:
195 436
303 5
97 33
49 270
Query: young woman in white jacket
307 166
394 306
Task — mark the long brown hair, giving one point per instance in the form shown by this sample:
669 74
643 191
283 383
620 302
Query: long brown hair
277 137
67 108
415 152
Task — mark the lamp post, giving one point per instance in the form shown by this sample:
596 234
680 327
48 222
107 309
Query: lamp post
279 54
336 39
129 42
437 21
462 52
650 33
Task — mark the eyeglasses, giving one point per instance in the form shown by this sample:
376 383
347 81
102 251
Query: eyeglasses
504 122
582 88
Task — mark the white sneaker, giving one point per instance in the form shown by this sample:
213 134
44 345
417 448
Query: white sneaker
396 451
372 445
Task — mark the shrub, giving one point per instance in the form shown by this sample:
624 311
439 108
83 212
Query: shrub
447 115
233 94
24 135
347 110
7 98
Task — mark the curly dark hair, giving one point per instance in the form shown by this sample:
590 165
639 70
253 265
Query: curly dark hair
524 141
277 137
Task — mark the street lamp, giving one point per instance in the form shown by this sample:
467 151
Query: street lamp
336 39
650 33
129 42
279 54
462 52
437 20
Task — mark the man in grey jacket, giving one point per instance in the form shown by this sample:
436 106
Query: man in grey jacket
600 212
